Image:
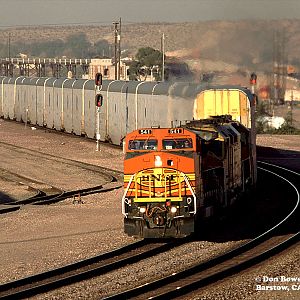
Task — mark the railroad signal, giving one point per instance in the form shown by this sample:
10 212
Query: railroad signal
253 78
98 79
98 100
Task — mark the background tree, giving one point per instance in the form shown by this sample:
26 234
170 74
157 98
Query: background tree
78 45
100 48
134 70
75 46
146 60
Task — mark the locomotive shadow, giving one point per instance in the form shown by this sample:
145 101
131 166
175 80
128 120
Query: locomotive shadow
262 209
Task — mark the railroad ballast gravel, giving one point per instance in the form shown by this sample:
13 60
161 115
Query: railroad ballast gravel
39 238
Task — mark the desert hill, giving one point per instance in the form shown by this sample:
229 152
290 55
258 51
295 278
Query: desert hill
232 46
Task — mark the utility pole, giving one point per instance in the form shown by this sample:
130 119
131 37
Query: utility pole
116 43
292 99
119 40
163 58
10 67
279 66
8 46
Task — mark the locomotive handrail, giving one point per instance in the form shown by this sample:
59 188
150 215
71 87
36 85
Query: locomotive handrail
192 191
125 193
133 177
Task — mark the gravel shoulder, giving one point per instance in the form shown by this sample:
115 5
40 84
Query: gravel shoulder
283 142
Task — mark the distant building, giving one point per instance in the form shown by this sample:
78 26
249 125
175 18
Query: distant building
106 67
100 65
292 95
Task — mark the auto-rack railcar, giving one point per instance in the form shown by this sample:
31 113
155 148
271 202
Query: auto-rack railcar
68 104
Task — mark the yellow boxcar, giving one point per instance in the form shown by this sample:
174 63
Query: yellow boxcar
239 103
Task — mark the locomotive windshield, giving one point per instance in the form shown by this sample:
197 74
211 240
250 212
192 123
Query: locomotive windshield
141 144
169 144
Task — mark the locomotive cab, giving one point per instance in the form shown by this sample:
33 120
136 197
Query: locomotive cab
159 182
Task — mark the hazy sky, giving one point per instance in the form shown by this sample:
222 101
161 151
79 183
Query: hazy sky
36 12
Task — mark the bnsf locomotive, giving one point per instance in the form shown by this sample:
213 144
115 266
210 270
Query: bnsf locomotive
174 177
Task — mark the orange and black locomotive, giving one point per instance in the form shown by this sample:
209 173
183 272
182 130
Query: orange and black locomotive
174 177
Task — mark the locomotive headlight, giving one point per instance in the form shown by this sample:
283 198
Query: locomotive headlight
158 161
173 209
142 209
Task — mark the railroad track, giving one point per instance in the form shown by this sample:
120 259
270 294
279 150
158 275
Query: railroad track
28 191
36 188
51 194
53 198
101 170
84 269
257 250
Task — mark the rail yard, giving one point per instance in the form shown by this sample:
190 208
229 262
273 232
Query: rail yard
153 156
40 238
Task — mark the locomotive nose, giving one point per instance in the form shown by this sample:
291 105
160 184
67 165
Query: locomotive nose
159 220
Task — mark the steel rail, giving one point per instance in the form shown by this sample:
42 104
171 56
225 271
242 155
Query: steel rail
32 185
81 192
53 198
87 166
237 264
19 179
58 194
203 274
84 269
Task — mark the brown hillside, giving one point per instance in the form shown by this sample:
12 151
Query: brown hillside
211 45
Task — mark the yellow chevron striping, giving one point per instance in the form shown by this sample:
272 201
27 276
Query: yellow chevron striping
161 199
190 176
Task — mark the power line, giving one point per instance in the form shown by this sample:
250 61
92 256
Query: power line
119 40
